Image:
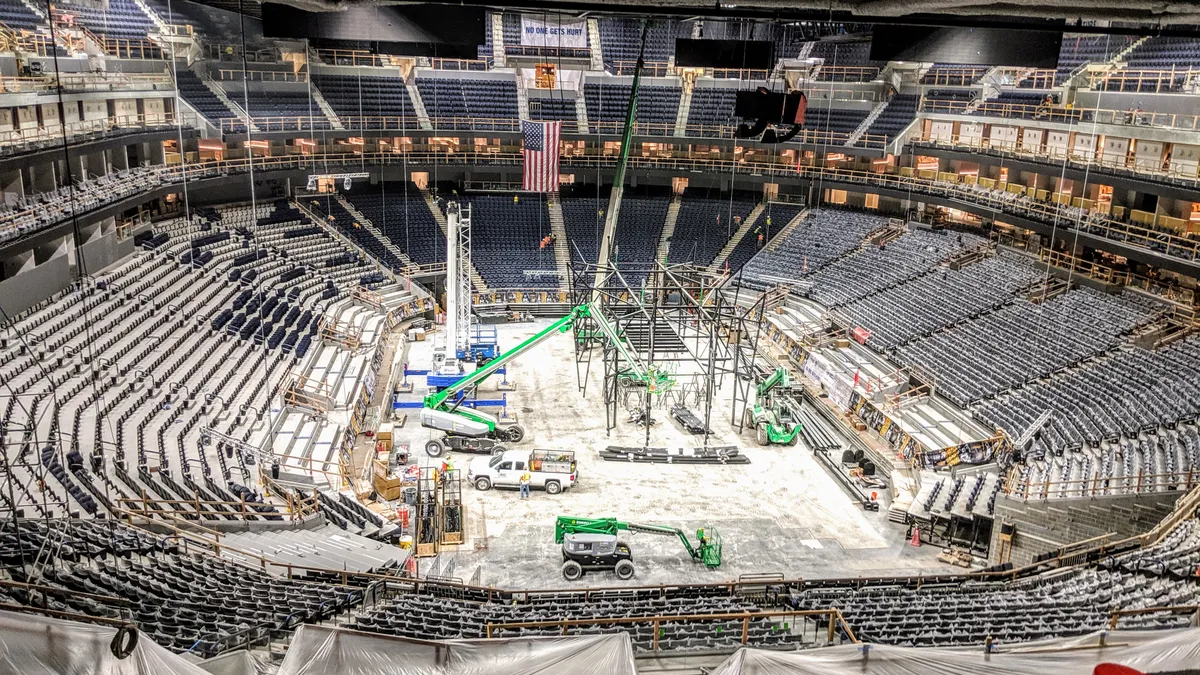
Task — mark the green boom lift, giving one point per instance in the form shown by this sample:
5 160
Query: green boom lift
771 420
590 544
442 410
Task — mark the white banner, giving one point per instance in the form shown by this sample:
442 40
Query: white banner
552 31
817 369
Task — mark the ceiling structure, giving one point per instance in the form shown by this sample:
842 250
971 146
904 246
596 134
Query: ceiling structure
1174 16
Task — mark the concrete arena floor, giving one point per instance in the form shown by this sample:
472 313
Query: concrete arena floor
782 513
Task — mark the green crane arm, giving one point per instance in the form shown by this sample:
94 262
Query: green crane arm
661 380
436 401
777 378
572 525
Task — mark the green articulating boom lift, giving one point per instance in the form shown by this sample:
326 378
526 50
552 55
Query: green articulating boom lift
590 544
771 420
443 411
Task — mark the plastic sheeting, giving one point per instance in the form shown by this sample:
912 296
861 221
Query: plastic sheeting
1146 651
316 650
240 662
31 644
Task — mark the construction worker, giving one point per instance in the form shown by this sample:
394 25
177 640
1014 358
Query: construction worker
760 239
516 199
526 479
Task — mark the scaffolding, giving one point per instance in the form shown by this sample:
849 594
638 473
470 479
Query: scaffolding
681 319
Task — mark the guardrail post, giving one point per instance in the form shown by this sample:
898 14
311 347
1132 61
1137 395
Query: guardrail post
831 617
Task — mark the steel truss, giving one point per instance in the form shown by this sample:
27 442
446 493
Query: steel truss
681 318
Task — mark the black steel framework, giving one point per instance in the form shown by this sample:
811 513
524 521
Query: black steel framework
672 316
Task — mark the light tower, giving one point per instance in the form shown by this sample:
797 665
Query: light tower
458 284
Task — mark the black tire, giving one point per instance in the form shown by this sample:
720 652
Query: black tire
553 487
435 448
747 417
514 434
761 435
498 449
624 570
483 484
794 440
572 571
124 642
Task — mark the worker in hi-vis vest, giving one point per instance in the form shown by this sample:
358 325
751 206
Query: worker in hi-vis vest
526 479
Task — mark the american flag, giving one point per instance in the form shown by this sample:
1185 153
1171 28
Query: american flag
541 155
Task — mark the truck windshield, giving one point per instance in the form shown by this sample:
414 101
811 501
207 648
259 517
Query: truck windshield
494 461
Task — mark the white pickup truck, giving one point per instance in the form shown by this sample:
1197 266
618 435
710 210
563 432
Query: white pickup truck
549 470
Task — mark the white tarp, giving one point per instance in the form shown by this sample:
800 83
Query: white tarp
317 650
36 645
1145 651
553 30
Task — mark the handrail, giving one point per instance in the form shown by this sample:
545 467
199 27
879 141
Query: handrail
1063 114
995 200
124 124
1116 614
826 72
834 614
1180 296
1159 80
400 123
261 75
950 76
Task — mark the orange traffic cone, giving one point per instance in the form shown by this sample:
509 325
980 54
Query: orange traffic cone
916 538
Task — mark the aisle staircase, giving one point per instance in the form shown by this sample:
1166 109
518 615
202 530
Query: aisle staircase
866 123
476 277
668 231
418 106
593 29
747 224
581 117
363 220
522 99
685 106
233 106
562 254
326 109
499 56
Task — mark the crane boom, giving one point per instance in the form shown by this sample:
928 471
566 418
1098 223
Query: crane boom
708 552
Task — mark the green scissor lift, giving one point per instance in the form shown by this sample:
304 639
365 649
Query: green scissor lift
590 544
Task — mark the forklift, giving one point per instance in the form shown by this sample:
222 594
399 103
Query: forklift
772 421
590 545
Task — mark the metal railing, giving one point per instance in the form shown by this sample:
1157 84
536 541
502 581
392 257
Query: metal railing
1057 113
833 620
1104 274
127 48
828 73
1040 490
955 76
548 51
459 64
1144 81
614 128
649 68
1057 155
103 127
355 57
261 75
739 73
516 296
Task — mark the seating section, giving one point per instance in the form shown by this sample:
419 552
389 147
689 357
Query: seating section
487 105
608 103
895 118
823 237
505 236
368 96
348 225
195 92
970 363
121 19
195 604
639 227
774 218
620 40
227 304
838 54
1077 50
940 299
400 212
875 268
553 108
1128 413
428 617
1172 55
291 110
704 225
17 16
713 107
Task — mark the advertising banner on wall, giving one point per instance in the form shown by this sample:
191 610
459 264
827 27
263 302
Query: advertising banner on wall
542 30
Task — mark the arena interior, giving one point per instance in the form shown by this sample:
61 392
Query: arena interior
581 337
